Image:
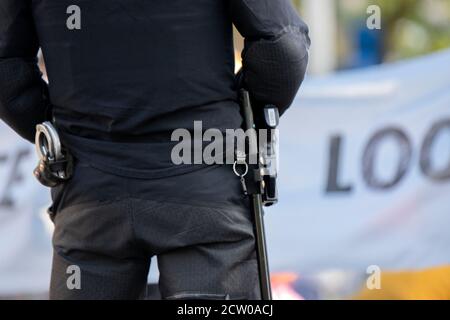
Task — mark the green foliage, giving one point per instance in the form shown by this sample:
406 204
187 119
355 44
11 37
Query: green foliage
411 27
414 27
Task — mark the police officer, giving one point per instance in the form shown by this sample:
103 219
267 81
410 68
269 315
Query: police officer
120 82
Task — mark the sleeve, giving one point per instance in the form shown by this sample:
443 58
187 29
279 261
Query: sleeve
275 55
24 99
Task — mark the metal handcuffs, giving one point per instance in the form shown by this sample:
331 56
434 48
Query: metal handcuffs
55 164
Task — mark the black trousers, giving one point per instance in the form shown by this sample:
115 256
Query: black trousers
107 229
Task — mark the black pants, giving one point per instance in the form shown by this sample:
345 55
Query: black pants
107 228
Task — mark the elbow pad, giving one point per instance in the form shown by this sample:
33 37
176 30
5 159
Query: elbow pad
275 69
23 96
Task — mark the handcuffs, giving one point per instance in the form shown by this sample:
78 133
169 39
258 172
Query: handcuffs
55 163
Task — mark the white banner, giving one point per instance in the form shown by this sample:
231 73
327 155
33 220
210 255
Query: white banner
365 171
365 179
25 243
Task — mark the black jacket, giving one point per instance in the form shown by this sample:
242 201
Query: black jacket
138 69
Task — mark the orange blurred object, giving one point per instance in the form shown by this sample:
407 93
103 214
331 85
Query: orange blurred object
282 286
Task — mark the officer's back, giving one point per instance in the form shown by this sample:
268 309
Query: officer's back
125 74
133 71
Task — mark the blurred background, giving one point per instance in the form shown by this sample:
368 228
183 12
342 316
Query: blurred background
364 211
355 239
410 28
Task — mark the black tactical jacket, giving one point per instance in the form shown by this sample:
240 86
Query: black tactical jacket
123 74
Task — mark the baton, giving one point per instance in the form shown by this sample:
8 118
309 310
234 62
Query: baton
257 200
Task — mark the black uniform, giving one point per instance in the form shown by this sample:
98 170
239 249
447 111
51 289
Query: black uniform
118 87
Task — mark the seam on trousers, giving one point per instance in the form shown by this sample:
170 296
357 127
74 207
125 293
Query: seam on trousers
200 204
198 296
86 267
130 214
95 203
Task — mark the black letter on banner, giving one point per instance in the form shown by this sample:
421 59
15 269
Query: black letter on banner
3 159
333 168
14 177
425 153
368 161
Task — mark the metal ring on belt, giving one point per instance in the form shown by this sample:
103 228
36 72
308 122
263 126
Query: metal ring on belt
48 144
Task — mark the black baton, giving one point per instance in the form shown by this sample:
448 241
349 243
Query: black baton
257 196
